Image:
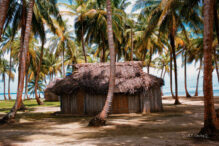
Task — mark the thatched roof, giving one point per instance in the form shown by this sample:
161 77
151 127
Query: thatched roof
94 77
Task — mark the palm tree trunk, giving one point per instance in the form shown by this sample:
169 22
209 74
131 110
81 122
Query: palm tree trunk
215 62
22 64
150 57
82 41
162 71
171 77
103 54
131 45
27 76
185 77
26 86
38 74
63 66
164 74
196 91
100 119
9 77
4 4
217 32
211 122
172 41
103 50
3 76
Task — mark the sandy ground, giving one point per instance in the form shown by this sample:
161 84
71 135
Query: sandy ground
171 127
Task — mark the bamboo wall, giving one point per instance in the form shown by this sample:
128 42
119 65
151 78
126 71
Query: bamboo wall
82 103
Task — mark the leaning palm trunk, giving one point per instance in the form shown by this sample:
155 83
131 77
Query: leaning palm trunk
161 74
171 76
100 119
4 4
217 32
38 74
4 86
27 77
172 41
185 77
103 50
82 41
211 122
63 65
9 77
149 62
22 64
164 74
131 45
196 91
26 86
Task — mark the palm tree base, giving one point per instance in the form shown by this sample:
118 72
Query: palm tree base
177 102
7 119
39 102
217 113
9 97
97 122
188 96
209 133
22 107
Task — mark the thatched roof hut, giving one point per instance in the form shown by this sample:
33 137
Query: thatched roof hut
48 94
88 85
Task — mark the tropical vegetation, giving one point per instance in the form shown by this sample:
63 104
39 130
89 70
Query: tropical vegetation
42 43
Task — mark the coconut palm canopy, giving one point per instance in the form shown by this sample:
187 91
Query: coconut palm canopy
94 77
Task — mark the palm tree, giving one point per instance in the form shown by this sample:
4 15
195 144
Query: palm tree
195 53
52 64
211 122
216 24
26 20
162 63
101 118
4 4
78 9
22 64
59 43
5 70
185 75
199 70
184 47
165 17
31 86
8 38
96 28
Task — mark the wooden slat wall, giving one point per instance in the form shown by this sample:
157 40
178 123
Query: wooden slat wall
155 100
73 104
145 102
82 103
159 99
68 104
151 97
120 104
94 103
134 103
